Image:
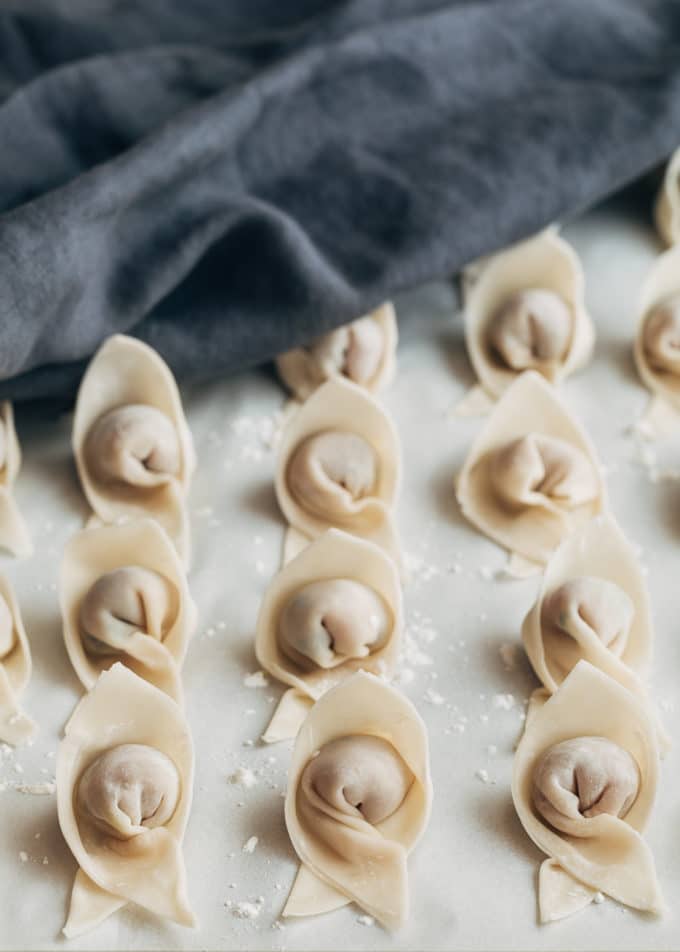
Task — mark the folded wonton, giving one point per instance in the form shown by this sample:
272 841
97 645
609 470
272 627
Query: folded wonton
132 445
13 532
359 796
124 787
593 604
657 342
525 310
584 782
667 205
124 597
531 476
339 465
15 669
334 609
363 351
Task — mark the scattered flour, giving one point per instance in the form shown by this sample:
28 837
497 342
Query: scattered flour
250 844
256 680
244 777
503 702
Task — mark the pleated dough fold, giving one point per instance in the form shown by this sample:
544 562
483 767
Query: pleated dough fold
366 450
604 852
667 205
593 605
532 475
362 861
131 442
531 298
334 556
134 566
15 669
363 351
125 727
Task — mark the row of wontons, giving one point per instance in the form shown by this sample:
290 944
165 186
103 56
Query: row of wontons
127 619
586 770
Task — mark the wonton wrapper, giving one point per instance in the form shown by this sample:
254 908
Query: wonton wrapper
545 261
334 555
377 881
341 405
15 673
302 373
123 709
13 531
667 205
598 550
663 281
528 406
613 858
125 372
141 544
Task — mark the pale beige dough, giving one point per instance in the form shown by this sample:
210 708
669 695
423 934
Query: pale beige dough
124 787
667 205
352 587
358 800
124 597
339 464
363 351
524 309
532 476
584 781
15 669
131 442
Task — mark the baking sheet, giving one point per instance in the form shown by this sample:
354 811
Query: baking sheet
473 878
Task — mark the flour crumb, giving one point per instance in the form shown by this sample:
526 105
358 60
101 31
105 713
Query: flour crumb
37 789
244 777
246 910
503 702
256 680
432 697
23 856
405 676
366 920
250 844
598 898
483 775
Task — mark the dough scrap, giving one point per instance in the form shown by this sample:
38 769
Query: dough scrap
525 310
363 351
340 407
103 571
334 555
131 442
15 669
609 853
545 465
361 706
127 861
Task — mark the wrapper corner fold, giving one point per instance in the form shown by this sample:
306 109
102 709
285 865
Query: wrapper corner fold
532 475
667 204
344 857
605 852
153 578
14 535
127 404
15 669
654 349
339 406
598 551
146 866
303 369
335 555
544 262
